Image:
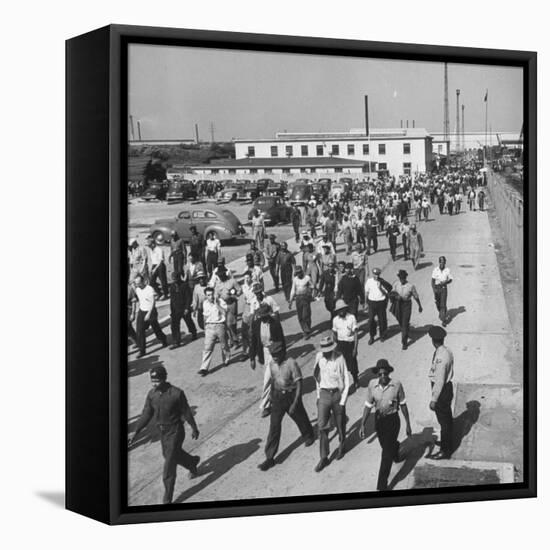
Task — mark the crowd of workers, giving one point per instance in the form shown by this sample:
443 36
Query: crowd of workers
205 292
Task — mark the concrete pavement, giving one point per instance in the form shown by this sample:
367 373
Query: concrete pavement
226 402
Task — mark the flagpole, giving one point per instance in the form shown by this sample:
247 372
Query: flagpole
486 119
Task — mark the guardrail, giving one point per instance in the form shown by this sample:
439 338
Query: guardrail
509 209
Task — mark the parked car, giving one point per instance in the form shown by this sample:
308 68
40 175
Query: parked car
300 194
155 191
230 191
263 184
249 190
220 220
275 189
181 190
321 188
274 209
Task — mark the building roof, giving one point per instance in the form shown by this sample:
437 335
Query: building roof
292 162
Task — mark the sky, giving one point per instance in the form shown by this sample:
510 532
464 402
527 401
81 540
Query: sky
252 95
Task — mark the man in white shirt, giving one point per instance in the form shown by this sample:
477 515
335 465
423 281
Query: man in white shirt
147 315
332 381
376 294
441 278
344 328
214 311
157 261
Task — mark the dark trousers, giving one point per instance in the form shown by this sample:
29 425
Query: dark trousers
378 310
440 295
171 440
286 281
200 319
274 272
441 206
175 322
353 306
211 261
393 246
178 261
406 250
303 310
444 415
372 241
346 349
405 320
245 335
280 405
387 430
160 273
131 332
329 402
142 325
296 227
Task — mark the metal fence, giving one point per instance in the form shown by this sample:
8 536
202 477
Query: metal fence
508 205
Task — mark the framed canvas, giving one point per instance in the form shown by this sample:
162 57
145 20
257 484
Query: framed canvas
328 249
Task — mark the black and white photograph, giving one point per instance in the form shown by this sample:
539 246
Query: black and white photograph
325 275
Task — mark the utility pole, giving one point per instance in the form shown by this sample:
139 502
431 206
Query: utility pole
212 128
139 130
132 127
457 121
463 132
197 133
446 124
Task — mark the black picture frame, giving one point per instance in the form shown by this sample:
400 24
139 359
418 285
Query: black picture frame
96 221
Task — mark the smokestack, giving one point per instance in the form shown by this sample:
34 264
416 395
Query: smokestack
401 124
367 130
407 123
197 133
414 123
132 127
139 130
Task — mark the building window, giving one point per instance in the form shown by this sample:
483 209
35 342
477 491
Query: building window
335 150
305 151
407 168
214 171
440 149
313 170
267 171
253 171
320 150
286 170
303 170
274 151
251 151
288 150
231 171
338 170
351 149
382 166
365 148
406 148
382 149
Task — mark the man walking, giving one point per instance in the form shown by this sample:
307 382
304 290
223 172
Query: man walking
214 311
286 263
169 408
344 329
302 290
296 221
272 253
441 278
286 398
178 252
158 269
386 397
196 244
392 234
371 229
441 376
403 293
180 308
376 293
146 315
332 381
350 290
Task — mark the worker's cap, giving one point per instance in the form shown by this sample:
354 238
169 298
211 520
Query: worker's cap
402 273
158 373
276 348
341 262
340 305
272 237
437 333
327 344
221 262
257 287
192 227
327 246
382 364
377 271
349 265
159 238
264 310
199 275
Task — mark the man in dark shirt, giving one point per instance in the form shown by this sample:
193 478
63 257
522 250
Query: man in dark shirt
181 297
178 253
196 243
286 263
392 233
351 290
167 406
272 252
296 221
371 230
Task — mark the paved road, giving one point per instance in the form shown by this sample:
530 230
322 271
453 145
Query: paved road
226 402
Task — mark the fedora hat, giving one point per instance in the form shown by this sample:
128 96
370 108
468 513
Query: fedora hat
340 304
327 344
382 364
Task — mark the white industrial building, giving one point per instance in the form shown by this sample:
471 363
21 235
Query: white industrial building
394 151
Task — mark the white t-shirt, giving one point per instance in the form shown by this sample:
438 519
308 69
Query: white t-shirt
345 328
146 297
373 290
441 276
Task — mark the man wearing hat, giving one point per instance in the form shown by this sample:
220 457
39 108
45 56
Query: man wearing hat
191 269
180 308
350 290
302 290
261 298
377 292
344 328
178 252
371 230
286 263
265 330
137 258
196 243
146 315
386 396
326 256
296 221
170 409
403 292
228 290
199 287
156 259
441 376
441 278
332 381
286 398
327 287
392 233
272 253
323 243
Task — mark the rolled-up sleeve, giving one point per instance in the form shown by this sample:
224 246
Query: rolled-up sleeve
401 395
369 401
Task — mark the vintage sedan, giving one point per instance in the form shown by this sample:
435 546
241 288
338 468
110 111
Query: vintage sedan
225 225
300 194
230 191
275 189
274 210
155 191
181 190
